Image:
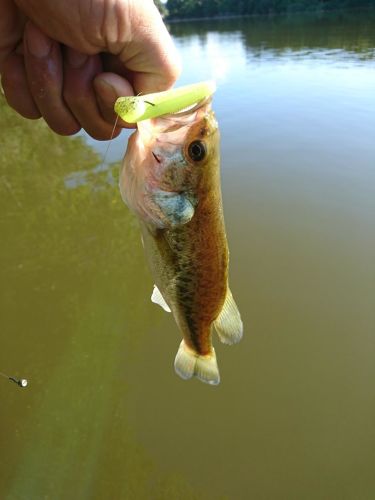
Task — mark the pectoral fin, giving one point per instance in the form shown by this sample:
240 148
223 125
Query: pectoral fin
228 324
157 298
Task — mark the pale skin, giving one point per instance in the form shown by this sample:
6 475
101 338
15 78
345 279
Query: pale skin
68 60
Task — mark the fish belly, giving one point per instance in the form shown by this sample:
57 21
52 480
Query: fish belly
190 267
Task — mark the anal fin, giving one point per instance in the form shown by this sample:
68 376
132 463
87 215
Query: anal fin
157 298
228 324
189 364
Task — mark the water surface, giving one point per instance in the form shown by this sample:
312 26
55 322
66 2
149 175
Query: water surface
104 416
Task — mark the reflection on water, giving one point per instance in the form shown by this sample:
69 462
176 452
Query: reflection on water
105 416
349 31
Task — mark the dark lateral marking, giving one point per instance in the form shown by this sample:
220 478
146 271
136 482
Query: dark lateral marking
150 103
195 336
188 314
156 157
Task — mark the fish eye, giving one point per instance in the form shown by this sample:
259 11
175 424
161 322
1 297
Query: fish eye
197 151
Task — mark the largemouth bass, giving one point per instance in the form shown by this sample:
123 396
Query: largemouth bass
171 180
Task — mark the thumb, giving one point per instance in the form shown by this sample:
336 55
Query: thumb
151 56
108 87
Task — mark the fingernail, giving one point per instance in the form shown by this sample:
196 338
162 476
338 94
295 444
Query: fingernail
76 59
105 90
38 43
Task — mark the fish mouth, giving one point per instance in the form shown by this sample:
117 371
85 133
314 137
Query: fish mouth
169 123
170 131
192 108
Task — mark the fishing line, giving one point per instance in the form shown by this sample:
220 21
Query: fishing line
21 382
110 141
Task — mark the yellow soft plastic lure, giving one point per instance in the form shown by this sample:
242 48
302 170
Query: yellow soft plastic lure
134 109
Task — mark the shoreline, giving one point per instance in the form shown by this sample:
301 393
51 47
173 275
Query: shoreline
270 14
211 18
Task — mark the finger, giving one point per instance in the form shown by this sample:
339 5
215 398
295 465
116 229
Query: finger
152 55
11 29
79 72
45 78
16 90
108 87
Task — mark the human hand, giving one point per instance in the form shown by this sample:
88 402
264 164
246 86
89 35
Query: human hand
69 60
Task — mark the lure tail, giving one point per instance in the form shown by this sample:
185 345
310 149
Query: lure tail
134 109
189 364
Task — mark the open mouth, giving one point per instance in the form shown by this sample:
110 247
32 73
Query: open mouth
191 108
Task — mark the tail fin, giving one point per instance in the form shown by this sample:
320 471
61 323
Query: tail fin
228 324
189 364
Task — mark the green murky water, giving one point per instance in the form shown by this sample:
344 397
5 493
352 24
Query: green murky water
104 416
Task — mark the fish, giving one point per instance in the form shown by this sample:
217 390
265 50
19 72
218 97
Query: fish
170 179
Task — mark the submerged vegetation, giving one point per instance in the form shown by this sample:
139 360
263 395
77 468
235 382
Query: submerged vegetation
181 9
